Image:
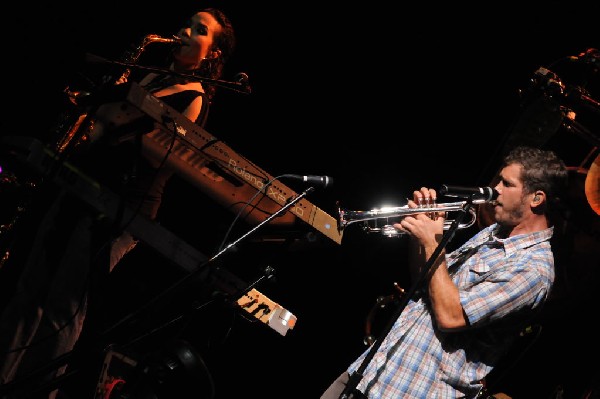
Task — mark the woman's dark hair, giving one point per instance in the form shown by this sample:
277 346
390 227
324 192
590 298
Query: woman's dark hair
224 42
541 170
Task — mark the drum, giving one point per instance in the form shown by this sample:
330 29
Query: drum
592 185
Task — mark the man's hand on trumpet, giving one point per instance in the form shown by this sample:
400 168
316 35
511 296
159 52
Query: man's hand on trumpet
426 227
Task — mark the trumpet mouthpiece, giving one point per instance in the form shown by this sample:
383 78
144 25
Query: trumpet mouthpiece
175 40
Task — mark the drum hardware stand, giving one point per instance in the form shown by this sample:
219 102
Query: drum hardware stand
350 391
575 127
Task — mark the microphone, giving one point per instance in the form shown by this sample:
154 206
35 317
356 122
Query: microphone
323 181
482 193
242 79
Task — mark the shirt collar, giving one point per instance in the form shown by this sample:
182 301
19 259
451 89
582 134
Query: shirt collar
518 242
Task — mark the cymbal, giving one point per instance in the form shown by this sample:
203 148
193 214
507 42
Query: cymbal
592 185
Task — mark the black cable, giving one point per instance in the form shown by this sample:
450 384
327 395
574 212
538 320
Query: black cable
238 215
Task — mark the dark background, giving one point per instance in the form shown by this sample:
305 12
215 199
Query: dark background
383 98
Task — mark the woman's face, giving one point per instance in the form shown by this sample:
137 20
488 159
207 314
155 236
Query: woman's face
196 40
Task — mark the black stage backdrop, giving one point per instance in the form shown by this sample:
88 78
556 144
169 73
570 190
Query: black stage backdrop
382 100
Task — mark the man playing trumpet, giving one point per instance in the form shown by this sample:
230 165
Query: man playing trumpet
474 301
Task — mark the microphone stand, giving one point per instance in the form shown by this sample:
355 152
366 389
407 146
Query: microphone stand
354 379
15 385
207 263
235 86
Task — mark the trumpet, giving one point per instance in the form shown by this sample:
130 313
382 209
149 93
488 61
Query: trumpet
373 218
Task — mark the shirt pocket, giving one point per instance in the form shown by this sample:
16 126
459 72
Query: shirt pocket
480 268
476 272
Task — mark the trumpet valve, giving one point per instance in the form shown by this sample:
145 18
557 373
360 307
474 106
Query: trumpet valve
389 231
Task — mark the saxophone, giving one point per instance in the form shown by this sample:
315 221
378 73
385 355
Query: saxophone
133 56
73 123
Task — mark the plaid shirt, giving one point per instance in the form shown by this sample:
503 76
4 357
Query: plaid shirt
499 281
